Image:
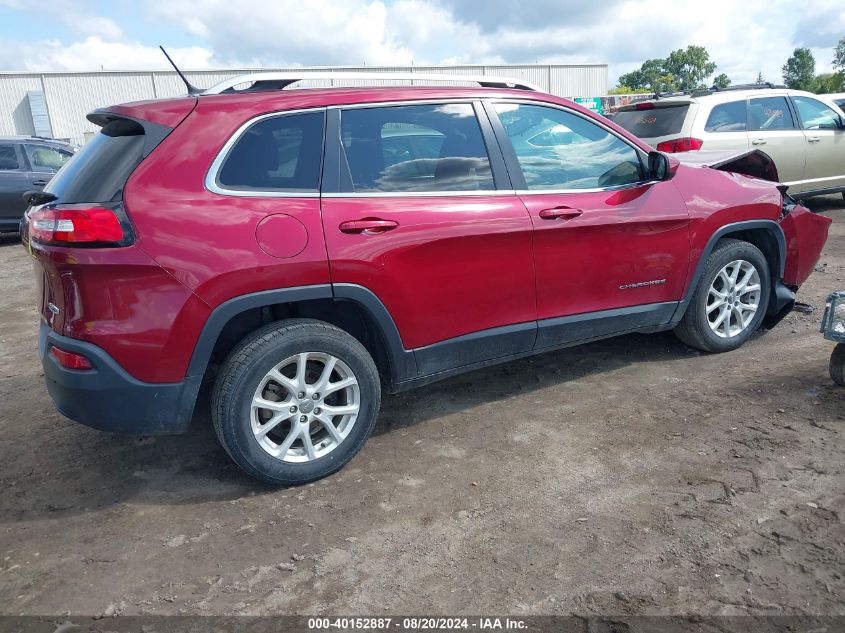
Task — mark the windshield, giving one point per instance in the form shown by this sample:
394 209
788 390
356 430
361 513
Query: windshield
653 123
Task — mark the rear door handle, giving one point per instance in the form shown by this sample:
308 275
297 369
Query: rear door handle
758 141
813 139
560 213
368 226
39 183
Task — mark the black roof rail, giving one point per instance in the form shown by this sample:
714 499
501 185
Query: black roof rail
760 86
661 95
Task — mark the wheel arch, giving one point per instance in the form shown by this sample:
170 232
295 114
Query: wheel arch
766 235
354 309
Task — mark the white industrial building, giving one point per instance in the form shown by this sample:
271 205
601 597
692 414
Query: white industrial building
54 104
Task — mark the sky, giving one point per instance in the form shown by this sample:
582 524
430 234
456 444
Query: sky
744 37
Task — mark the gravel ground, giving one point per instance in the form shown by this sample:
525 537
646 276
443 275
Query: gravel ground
629 476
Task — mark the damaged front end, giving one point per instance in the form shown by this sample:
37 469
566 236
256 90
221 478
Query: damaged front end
805 232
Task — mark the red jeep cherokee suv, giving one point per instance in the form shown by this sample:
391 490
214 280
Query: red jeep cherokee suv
302 249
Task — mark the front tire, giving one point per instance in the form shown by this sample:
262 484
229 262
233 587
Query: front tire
837 364
295 401
730 300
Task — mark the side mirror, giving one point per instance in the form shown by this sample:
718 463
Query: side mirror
658 166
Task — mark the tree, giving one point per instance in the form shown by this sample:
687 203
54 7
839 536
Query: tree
799 71
839 57
722 81
827 83
683 69
651 77
690 67
760 79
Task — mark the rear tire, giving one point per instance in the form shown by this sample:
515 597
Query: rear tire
295 401
719 317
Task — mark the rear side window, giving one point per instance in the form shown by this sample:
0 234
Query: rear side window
99 171
727 117
8 158
769 113
46 160
815 115
281 153
652 123
415 149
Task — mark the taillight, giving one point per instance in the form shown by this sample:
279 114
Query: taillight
78 224
686 144
70 360
644 105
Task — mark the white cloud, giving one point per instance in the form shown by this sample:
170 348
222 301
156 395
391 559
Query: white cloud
94 53
742 38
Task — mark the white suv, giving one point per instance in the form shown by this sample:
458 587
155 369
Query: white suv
803 133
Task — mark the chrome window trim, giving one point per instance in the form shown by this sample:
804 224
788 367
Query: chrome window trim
211 183
420 194
534 192
395 104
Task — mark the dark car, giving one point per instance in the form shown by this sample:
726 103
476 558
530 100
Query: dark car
26 164
298 251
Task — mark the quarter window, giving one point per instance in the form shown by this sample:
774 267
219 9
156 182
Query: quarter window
281 153
8 158
560 150
418 148
727 117
815 115
770 113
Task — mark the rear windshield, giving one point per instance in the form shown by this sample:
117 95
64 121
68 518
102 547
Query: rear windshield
652 123
99 171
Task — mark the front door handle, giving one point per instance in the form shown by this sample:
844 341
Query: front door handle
368 226
560 213
758 141
813 139
39 183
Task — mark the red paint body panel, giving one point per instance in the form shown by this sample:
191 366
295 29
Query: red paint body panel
169 112
122 301
806 234
454 265
622 237
716 198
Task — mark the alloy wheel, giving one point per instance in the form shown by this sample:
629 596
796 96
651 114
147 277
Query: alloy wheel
305 407
733 299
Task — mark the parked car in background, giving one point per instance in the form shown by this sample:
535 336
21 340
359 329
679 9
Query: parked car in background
803 133
838 98
303 249
27 163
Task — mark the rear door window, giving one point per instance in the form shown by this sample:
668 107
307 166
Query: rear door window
99 171
46 160
815 115
417 148
727 117
281 153
9 158
659 121
769 113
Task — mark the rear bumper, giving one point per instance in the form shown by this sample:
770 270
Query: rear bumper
108 398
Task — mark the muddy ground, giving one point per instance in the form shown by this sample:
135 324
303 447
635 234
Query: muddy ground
627 476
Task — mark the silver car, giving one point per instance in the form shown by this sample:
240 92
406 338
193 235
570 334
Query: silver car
803 133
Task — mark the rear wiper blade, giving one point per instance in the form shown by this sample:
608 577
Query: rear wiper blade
38 197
